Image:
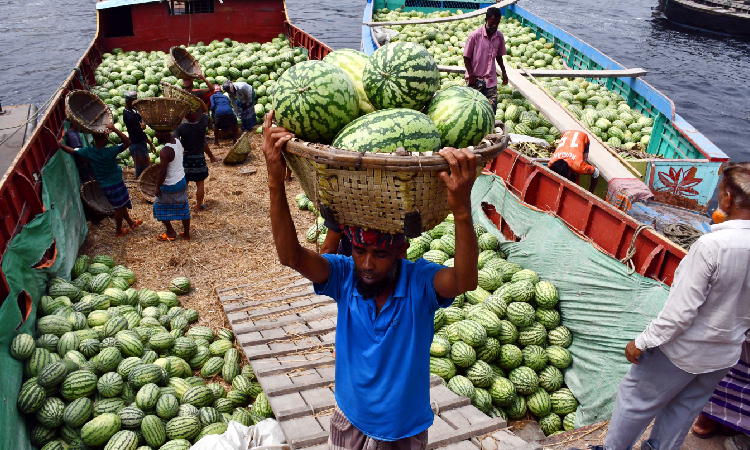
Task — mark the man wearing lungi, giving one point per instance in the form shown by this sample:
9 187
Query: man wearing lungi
171 202
192 135
103 160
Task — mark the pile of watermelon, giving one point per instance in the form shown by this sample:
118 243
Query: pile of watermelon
501 345
381 103
120 368
257 64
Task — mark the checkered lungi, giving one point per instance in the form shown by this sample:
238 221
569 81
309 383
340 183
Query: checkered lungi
730 403
345 436
172 203
117 195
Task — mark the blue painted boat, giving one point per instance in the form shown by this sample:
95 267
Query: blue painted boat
689 167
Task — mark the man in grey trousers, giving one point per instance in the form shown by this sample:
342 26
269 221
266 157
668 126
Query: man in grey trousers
683 354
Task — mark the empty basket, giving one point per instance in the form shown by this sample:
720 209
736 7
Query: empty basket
172 91
87 111
161 113
182 64
384 191
93 197
241 149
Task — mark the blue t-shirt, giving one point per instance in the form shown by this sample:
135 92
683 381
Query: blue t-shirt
220 104
383 360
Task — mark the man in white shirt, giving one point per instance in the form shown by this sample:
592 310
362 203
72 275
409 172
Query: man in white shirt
683 354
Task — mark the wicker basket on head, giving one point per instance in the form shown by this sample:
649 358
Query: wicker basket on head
93 197
182 64
161 113
393 193
172 91
87 111
238 153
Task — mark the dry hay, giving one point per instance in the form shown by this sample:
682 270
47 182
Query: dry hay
231 241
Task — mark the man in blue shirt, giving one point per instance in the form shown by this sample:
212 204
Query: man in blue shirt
386 307
224 118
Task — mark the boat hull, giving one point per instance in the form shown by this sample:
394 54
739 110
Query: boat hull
706 17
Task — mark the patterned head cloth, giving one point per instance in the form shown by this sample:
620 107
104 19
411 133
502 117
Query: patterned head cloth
361 237
131 95
217 88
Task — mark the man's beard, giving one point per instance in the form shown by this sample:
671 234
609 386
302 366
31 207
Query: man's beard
372 290
491 31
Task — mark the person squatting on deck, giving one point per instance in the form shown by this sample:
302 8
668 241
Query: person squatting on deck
103 160
571 156
139 142
386 306
683 353
242 96
224 118
171 201
192 135
484 46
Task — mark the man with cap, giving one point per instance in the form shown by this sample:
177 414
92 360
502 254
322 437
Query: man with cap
224 117
242 94
203 94
386 307
139 142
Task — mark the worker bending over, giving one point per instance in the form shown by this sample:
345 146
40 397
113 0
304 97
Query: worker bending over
570 158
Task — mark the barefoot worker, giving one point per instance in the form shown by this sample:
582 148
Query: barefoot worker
103 160
686 351
192 135
386 305
171 202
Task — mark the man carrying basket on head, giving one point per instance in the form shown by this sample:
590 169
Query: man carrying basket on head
108 174
386 306
171 201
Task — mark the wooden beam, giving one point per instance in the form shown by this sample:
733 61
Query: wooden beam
566 73
476 13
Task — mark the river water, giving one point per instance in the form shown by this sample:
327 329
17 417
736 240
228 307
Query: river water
704 73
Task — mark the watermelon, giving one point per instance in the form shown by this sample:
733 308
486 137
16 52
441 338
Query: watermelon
220 346
385 131
143 374
214 428
440 347
353 63
563 401
123 440
198 396
80 266
517 409
442 367
489 279
535 334
558 357
569 421
154 431
463 116
560 336
180 285
549 318
480 374
55 325
108 405
100 429
77 412
105 260
539 403
478 295
534 357
183 427
41 435
471 332
496 304
524 379
314 100
100 282
176 444
80 383
52 375
508 333
147 397
546 295
520 314
487 319
510 356
550 379
400 75
462 354
550 423
461 386
482 399
22 346
31 398
502 391
131 416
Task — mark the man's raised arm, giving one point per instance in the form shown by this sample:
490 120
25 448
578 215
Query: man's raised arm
291 254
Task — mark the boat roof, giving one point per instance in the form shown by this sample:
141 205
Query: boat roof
116 3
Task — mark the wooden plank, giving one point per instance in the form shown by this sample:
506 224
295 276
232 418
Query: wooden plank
281 349
309 332
479 429
281 390
479 12
304 432
252 326
256 283
294 284
282 309
234 307
623 73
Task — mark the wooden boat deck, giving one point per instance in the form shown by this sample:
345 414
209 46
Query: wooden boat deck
14 130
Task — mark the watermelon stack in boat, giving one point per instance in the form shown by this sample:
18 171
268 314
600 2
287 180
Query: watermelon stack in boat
380 114
502 345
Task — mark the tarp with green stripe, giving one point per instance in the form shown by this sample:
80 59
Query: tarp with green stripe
603 305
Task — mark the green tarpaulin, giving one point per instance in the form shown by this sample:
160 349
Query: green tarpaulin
62 223
603 305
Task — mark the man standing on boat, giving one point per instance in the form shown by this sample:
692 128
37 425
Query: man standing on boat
686 351
484 47
243 102
386 306
570 159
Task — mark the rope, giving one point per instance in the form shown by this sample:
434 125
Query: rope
628 259
682 234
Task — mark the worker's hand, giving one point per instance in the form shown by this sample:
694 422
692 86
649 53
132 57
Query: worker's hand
460 179
111 128
274 140
505 78
472 81
632 352
61 141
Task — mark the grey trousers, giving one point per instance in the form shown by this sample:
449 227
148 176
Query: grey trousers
656 388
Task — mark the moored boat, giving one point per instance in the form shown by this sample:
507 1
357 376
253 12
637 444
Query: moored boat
727 17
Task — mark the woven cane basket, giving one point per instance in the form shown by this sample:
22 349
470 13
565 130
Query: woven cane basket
147 183
93 197
182 64
87 111
172 91
241 149
161 113
394 193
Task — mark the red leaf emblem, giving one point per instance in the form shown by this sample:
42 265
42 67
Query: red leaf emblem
678 184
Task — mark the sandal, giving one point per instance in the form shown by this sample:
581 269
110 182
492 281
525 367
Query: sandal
164 237
182 235
136 223
122 233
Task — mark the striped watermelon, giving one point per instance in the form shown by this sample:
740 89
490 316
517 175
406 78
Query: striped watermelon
78 411
550 379
314 100
131 416
104 259
242 416
147 397
353 63
220 392
440 347
463 116
198 396
201 332
545 294
55 325
108 405
487 241
476 296
471 332
80 266
183 427
220 346
535 334
563 401
122 440
212 367
489 279
539 403
229 371
569 421
22 346
549 318
508 333
238 398
181 285
462 354
68 341
208 415
480 374
550 423
482 400
559 357
100 429
525 275
524 379
509 269
115 325
31 398
41 435
560 336
400 75
385 131
517 409
154 431
80 383
143 374
167 406
487 319
442 367
496 304
489 351
534 357
521 314
461 386
225 405
108 358
502 391
510 357
100 282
